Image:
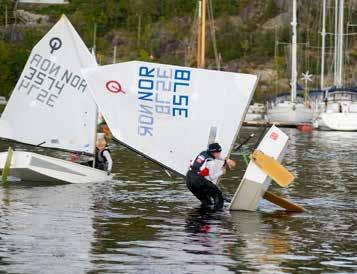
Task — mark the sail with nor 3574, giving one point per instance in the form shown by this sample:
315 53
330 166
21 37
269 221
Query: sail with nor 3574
51 103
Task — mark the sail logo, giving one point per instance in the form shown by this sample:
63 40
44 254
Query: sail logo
55 44
162 91
114 87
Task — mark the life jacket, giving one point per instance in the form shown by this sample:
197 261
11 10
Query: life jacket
198 166
100 160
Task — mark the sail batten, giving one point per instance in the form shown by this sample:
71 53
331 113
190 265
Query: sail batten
51 103
166 112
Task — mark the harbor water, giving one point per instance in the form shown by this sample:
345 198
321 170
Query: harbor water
147 222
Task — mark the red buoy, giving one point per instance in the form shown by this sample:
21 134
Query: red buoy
305 127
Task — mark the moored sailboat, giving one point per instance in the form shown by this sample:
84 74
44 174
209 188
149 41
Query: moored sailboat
338 110
291 112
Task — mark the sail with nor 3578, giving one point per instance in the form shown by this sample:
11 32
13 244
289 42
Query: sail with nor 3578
166 112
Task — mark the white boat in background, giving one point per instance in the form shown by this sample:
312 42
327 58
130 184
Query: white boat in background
291 112
51 106
338 109
3 100
284 111
256 113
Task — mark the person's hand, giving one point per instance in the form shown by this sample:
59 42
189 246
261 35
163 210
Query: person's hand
109 172
224 170
231 164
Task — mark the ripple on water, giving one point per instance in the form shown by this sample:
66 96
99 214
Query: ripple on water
147 222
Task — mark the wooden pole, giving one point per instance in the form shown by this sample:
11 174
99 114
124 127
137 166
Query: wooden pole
6 18
95 38
115 54
6 168
203 34
284 203
199 28
139 31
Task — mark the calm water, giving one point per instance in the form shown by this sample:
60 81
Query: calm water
146 222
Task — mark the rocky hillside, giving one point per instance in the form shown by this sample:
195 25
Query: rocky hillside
251 35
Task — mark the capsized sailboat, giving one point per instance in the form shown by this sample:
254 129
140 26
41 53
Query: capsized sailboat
51 106
170 113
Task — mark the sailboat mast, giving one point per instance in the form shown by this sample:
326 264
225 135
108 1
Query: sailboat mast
323 37
199 33
336 44
96 109
201 53
203 34
294 54
339 79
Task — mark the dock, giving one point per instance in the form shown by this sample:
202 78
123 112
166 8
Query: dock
283 125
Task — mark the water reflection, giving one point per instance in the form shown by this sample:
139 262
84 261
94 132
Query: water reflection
147 222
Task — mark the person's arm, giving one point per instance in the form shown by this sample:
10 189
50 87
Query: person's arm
107 156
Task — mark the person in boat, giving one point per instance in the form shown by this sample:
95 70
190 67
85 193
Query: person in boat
103 158
203 175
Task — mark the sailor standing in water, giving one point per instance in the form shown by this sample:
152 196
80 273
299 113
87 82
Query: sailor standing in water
103 159
203 175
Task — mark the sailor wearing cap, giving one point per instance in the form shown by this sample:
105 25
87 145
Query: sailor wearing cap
203 175
103 159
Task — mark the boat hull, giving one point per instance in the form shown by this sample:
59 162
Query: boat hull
32 167
338 121
289 113
255 181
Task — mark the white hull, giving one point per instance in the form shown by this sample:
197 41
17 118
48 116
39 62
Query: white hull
289 113
255 182
338 121
256 112
33 167
252 117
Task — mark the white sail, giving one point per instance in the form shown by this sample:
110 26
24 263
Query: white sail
51 103
167 112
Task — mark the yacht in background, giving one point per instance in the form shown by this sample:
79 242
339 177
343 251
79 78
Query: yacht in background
293 111
3 101
256 113
338 109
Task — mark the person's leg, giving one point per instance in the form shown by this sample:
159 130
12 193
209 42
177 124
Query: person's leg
197 187
216 194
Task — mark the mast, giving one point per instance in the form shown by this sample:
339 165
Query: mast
199 33
336 45
339 75
323 37
201 48
95 38
96 106
294 54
